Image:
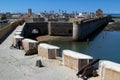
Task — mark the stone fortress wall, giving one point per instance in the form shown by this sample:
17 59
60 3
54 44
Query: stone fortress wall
7 29
77 29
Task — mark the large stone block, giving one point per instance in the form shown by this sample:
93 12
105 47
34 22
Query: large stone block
75 60
20 28
17 33
48 51
109 70
29 44
16 38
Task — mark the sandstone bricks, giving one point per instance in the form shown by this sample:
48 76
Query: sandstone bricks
29 44
75 60
48 51
109 70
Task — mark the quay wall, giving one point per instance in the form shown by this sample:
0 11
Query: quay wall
45 28
84 28
60 28
78 30
30 28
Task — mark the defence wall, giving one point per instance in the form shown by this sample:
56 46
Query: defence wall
84 28
60 28
78 30
109 70
6 30
33 30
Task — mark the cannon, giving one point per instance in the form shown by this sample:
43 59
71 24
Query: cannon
88 70
31 52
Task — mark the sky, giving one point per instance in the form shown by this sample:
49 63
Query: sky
108 6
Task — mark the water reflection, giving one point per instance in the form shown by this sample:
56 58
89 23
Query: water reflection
105 45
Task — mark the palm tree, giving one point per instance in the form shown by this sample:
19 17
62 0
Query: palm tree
62 11
59 11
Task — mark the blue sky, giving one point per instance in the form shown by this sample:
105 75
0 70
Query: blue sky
108 6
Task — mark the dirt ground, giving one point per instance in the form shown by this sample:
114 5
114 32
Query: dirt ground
58 38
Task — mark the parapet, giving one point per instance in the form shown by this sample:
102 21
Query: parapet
109 70
17 33
29 44
75 60
16 38
48 51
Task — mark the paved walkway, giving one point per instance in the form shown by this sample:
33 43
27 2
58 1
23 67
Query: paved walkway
15 66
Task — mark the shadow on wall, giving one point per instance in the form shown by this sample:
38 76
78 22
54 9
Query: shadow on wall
94 34
33 30
34 33
9 29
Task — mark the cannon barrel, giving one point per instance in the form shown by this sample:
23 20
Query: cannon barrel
87 65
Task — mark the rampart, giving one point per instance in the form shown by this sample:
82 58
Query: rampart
84 28
32 30
78 29
60 28
7 29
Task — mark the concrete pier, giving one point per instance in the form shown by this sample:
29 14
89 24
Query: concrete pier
75 60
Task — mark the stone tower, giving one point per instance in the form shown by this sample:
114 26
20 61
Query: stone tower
29 11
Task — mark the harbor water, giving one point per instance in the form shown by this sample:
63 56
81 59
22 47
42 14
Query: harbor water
106 46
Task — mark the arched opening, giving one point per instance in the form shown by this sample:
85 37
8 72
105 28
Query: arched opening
35 33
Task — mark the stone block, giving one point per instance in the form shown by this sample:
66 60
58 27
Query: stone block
16 38
109 70
29 44
75 60
48 51
19 30
17 33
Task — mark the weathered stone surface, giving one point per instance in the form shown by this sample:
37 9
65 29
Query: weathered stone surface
48 51
15 66
75 60
29 44
108 69
16 38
